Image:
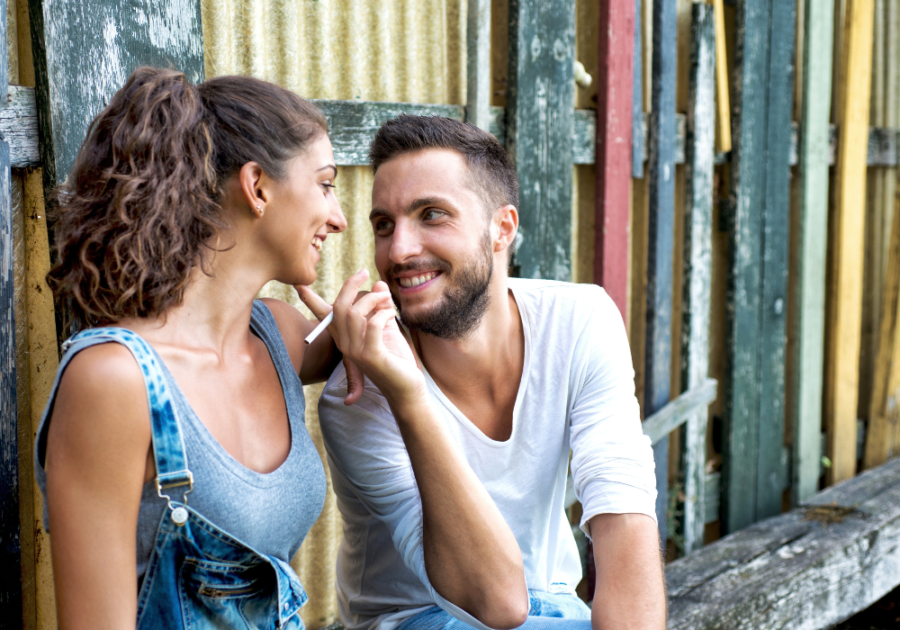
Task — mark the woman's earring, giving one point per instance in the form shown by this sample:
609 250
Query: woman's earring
261 211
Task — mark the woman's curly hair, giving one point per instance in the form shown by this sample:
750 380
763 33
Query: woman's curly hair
141 208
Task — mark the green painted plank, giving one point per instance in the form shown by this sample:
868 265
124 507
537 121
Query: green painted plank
776 225
478 63
661 235
748 171
809 318
539 123
84 51
637 96
697 260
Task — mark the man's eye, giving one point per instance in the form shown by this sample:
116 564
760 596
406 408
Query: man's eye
382 225
431 215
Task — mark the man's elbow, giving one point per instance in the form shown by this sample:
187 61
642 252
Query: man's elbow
503 610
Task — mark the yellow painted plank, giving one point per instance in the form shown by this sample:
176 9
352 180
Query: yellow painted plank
845 308
723 99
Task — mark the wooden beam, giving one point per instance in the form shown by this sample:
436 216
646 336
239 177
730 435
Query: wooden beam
723 99
637 96
772 343
677 412
845 284
811 242
697 258
613 155
10 551
661 234
808 569
84 52
478 63
539 124
19 127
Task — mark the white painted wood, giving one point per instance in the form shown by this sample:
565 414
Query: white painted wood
478 64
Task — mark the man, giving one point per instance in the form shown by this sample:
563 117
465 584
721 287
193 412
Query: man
453 503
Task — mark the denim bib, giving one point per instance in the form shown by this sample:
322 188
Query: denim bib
198 576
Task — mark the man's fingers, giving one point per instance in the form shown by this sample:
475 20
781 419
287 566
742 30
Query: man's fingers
319 307
355 382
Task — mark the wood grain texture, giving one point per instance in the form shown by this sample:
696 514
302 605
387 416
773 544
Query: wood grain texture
811 242
84 52
613 153
723 98
674 414
10 552
697 261
478 63
772 344
805 570
660 235
845 290
19 127
539 131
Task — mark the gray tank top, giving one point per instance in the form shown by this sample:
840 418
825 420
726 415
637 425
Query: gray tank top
270 512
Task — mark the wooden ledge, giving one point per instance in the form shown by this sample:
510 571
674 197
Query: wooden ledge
809 568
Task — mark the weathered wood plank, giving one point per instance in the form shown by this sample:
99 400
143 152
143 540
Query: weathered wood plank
697 258
613 155
809 318
748 171
845 290
723 98
772 344
675 413
10 552
539 131
19 127
478 63
637 97
661 234
84 52
804 570
884 411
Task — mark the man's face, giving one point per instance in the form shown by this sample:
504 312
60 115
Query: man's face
433 244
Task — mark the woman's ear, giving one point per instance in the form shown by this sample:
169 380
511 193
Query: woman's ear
253 186
506 220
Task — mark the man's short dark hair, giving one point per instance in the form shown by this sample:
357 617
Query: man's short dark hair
492 171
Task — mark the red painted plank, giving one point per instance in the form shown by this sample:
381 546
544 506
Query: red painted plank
613 157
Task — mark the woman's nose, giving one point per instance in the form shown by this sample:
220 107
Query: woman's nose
337 222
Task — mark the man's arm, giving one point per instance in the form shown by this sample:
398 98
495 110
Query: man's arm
630 591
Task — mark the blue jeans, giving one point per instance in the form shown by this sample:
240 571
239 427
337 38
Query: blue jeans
549 611
198 576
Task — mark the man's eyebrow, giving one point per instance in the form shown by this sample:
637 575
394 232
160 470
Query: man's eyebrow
331 166
413 206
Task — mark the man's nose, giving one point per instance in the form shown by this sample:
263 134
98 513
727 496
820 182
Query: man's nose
404 244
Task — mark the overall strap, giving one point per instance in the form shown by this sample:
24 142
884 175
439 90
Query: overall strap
168 444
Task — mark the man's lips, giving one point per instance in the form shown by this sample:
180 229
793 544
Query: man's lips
413 281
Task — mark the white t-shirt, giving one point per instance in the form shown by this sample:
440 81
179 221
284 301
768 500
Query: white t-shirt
577 392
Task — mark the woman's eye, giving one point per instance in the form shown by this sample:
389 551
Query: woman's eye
327 185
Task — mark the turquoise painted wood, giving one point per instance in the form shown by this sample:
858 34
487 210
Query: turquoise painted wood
661 235
637 97
84 52
539 123
809 297
697 257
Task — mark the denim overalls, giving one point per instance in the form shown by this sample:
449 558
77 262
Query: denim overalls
198 576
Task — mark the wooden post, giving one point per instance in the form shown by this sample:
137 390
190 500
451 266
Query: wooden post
478 63
846 268
637 97
699 155
84 52
661 234
613 156
809 318
723 99
539 120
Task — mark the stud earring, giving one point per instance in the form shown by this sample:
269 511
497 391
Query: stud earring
261 211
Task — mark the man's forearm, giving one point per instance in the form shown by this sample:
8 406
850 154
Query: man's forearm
630 590
471 555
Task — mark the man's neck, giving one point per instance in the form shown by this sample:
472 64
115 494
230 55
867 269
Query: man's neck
482 370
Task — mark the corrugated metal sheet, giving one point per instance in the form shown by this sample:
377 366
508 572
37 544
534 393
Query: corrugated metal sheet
390 50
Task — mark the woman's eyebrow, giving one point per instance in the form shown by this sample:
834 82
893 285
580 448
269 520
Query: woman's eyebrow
331 166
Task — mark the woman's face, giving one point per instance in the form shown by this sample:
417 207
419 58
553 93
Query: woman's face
302 211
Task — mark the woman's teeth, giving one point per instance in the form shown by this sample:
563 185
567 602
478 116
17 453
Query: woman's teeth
416 280
317 243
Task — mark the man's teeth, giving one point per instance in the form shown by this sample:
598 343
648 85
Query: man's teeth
416 280
317 243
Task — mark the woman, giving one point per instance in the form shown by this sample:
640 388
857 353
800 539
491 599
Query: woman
173 448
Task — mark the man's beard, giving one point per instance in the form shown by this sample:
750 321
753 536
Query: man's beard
462 305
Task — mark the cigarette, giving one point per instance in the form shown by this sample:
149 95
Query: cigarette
318 329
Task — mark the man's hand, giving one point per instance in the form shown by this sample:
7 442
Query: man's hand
630 591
